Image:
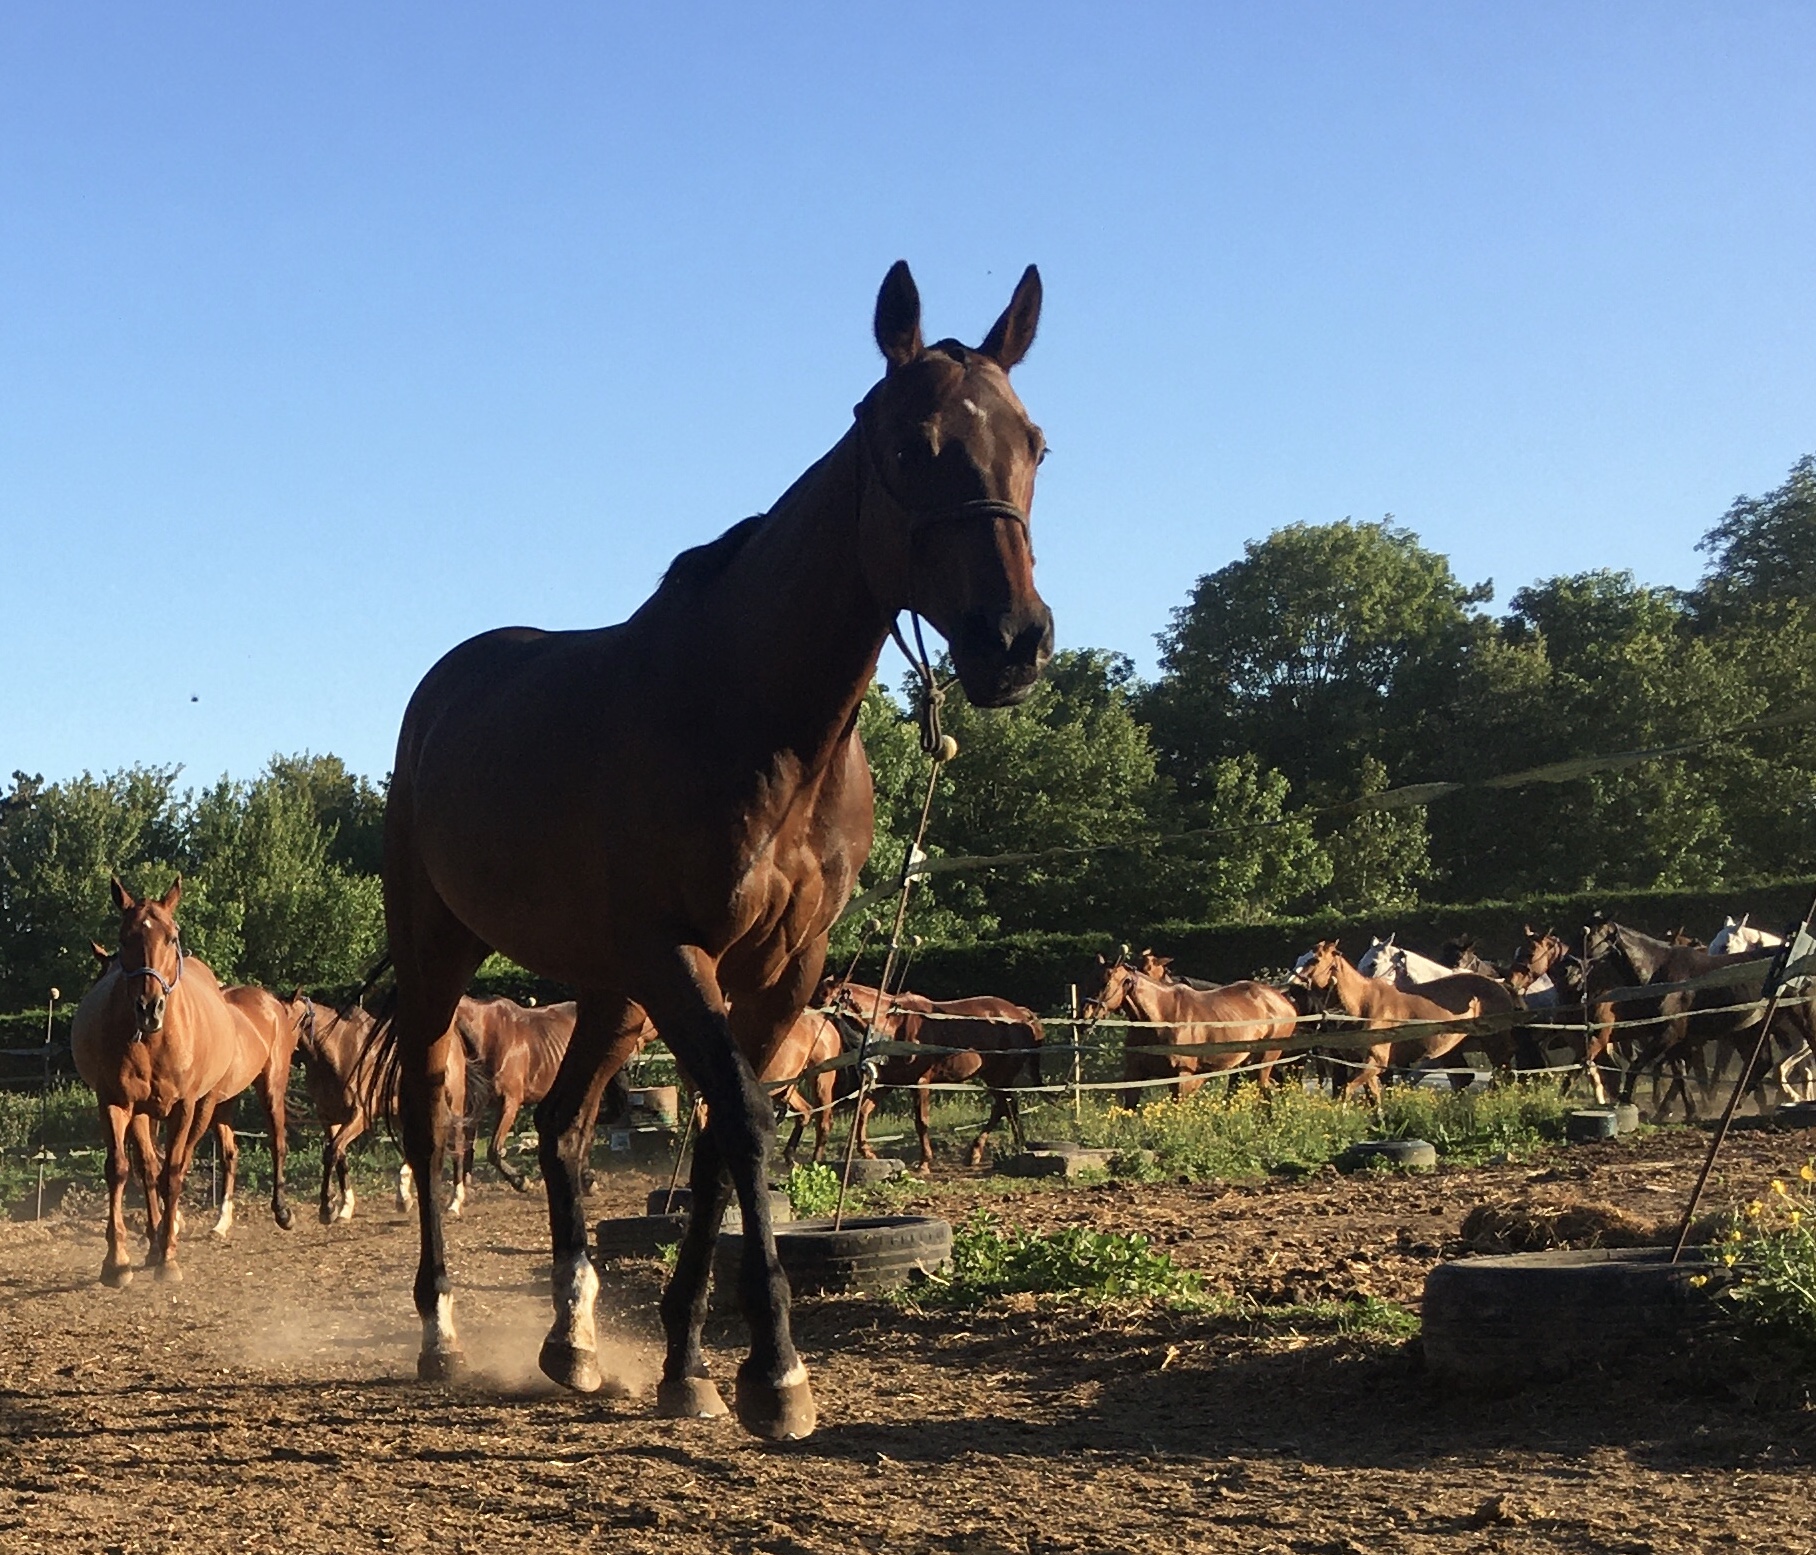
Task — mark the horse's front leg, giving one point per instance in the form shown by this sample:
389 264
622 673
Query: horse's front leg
773 1399
116 1267
183 1130
145 1153
605 1035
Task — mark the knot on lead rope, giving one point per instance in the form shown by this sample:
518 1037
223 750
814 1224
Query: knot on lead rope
940 746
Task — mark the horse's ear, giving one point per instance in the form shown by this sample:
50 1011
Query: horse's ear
898 316
1012 334
1100 959
168 901
102 953
123 899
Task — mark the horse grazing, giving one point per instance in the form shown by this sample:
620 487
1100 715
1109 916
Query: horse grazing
155 1039
669 814
351 1095
996 1041
812 1039
1380 1007
1247 1012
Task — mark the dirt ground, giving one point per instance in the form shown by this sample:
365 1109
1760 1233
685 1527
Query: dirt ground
269 1401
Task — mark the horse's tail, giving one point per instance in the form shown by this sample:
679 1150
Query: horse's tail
379 1063
1038 1033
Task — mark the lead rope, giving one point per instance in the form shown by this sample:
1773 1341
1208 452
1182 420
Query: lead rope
939 748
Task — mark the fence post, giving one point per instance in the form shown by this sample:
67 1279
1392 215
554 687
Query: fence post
50 1017
1077 1061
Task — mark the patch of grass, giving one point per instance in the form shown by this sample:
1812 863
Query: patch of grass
1367 1315
990 1259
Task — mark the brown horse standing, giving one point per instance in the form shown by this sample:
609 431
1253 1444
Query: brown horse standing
1264 1019
668 815
155 1039
345 1086
998 1041
1382 1008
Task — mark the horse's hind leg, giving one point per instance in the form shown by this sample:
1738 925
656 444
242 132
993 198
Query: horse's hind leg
605 1035
230 1163
270 1086
508 1103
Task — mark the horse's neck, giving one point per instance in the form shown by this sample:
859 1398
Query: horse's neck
1645 955
779 646
1357 994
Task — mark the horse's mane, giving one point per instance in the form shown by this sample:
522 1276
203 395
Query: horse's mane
700 564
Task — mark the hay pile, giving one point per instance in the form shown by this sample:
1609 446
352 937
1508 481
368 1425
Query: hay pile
1530 1225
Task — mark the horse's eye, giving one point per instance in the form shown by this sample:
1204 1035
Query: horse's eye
1043 456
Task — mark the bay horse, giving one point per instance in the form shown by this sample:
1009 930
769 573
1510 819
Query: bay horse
351 1094
1266 1015
668 815
1382 1008
997 1041
155 1039
1160 968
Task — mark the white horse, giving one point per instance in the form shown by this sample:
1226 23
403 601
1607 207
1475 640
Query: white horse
1395 964
1797 1073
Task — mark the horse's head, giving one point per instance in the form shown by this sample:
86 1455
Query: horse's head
301 1011
1376 961
1317 968
1156 967
1538 953
151 952
946 460
1114 985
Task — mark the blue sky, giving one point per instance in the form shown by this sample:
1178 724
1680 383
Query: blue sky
330 335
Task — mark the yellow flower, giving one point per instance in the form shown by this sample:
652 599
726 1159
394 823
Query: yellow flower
1734 1235
1699 1280
1807 1172
1728 1259
1755 1210
1778 1187
1797 1217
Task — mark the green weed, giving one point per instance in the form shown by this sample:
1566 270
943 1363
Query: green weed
990 1259
1770 1254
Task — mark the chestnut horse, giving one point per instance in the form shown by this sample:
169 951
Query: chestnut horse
155 1039
1382 1008
345 1085
1265 1018
998 1040
668 815
812 1039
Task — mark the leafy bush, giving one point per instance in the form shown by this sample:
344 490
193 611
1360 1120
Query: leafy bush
1770 1251
812 1190
990 1259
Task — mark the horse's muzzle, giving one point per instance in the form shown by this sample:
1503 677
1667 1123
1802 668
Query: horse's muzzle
999 657
148 1015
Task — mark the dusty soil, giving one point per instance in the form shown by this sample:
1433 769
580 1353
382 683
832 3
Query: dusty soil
269 1401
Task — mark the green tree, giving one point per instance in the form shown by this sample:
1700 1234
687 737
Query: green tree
1764 549
1326 644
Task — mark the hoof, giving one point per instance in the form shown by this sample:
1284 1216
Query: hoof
689 1398
116 1275
576 1369
784 1414
325 1214
440 1366
284 1217
170 1273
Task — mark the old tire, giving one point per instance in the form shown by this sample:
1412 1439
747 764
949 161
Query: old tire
1396 1152
864 1256
1588 1125
781 1207
1501 1323
637 1236
1797 1114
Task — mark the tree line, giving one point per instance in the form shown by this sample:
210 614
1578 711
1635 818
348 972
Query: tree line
1328 662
